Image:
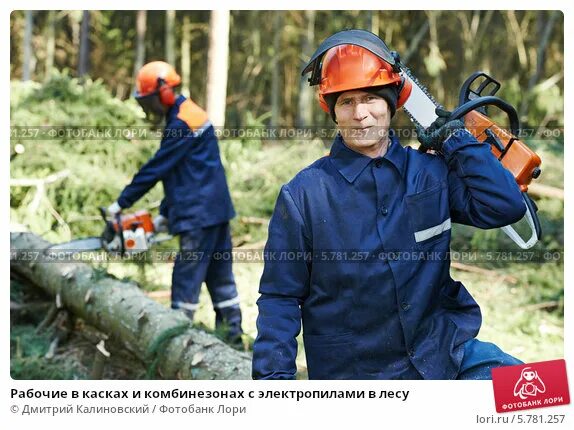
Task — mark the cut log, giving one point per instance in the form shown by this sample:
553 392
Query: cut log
162 338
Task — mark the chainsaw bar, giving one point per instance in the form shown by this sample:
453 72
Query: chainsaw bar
86 244
420 106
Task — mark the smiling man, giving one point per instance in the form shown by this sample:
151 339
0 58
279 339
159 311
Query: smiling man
369 227
363 118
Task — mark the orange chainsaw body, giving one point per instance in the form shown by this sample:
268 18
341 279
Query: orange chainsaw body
522 162
136 230
136 220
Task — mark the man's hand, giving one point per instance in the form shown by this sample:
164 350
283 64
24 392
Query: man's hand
114 209
160 224
440 130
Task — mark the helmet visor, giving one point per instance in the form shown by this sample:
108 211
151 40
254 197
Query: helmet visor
362 38
151 104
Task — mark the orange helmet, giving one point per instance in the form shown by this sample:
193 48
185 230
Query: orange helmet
157 77
352 67
352 60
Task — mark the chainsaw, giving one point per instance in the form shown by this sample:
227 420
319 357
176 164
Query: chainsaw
476 94
125 234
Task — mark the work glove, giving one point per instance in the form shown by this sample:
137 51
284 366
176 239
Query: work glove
441 129
114 209
160 224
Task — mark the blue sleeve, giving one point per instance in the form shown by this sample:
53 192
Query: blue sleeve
483 193
164 208
176 142
283 288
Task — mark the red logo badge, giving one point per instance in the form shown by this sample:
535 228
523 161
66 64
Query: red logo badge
528 386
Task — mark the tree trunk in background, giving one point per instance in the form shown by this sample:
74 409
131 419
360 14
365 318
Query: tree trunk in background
544 28
518 37
170 37
415 42
162 338
185 56
27 60
84 61
50 43
141 18
217 63
435 55
276 69
74 17
305 102
375 22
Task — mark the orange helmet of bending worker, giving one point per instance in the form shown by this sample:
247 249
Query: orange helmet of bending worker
154 86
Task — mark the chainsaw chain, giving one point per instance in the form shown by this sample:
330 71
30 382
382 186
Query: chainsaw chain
423 88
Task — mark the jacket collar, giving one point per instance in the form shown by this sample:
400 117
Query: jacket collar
351 164
175 108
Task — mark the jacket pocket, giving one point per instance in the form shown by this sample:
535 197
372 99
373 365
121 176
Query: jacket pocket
330 356
429 216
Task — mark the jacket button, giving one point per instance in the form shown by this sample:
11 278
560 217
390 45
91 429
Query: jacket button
378 163
384 210
411 352
405 306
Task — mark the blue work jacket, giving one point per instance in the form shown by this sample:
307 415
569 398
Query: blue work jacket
358 252
188 164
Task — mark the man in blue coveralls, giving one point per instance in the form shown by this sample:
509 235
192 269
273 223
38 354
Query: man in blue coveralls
197 205
367 217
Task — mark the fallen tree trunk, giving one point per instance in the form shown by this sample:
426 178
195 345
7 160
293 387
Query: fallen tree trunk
162 338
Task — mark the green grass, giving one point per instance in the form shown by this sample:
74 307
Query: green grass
510 318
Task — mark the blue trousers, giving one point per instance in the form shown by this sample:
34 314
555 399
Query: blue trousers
481 357
205 256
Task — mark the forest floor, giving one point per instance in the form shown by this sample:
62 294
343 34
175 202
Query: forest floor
528 331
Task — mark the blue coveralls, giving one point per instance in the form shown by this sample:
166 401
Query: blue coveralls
198 207
358 252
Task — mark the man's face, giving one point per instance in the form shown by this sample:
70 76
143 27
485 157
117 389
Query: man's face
363 119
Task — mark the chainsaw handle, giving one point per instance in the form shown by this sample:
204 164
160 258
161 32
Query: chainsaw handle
488 83
121 233
108 233
103 213
532 208
533 222
514 123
